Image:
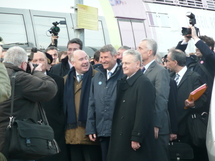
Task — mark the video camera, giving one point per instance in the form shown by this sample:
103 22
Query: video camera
192 21
54 29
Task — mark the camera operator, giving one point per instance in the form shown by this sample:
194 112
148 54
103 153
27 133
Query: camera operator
204 60
29 90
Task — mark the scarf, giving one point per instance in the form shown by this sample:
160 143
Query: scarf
69 99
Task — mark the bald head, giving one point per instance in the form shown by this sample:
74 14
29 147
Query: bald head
80 61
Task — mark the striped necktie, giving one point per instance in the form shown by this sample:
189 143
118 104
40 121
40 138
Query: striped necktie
177 78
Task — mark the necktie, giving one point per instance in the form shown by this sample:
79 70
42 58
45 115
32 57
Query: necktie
177 78
80 77
143 69
109 74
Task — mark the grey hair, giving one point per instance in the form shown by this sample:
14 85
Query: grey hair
151 45
107 48
72 55
136 54
124 47
158 58
179 56
16 55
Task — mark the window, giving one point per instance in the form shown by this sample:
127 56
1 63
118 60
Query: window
12 29
158 19
164 20
152 17
41 27
132 32
95 38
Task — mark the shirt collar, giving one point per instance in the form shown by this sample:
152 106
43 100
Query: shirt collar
147 65
181 73
113 69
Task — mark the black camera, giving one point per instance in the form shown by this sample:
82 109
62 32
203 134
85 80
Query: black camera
192 21
54 29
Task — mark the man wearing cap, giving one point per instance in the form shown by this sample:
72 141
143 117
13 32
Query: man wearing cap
54 107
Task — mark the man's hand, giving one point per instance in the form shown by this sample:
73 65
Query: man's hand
186 39
135 145
172 137
189 103
156 131
38 68
92 137
54 38
193 33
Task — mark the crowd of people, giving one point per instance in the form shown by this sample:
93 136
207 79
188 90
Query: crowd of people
126 105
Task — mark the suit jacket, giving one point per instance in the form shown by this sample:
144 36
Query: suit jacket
190 81
56 119
172 106
132 120
159 77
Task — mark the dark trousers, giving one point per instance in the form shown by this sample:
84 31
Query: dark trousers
85 152
161 148
104 143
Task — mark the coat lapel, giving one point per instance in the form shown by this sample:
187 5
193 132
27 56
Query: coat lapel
150 68
126 83
184 78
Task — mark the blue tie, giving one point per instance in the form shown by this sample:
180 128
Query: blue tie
109 74
143 69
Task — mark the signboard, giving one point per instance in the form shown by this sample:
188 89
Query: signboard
87 17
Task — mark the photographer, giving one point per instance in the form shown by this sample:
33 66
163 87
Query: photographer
29 90
204 60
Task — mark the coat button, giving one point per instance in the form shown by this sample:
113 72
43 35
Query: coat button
123 101
120 134
138 134
122 117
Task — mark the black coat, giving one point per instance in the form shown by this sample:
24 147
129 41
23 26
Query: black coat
62 68
56 119
133 119
189 82
172 106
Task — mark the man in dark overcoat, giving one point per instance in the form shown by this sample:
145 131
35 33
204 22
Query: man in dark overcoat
54 107
132 133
